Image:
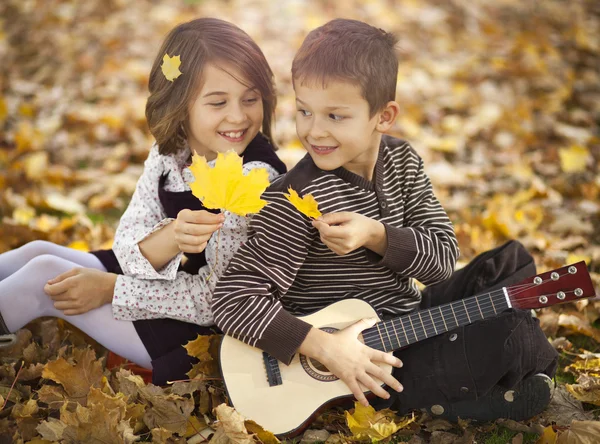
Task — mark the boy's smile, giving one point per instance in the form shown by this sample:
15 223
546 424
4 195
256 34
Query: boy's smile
334 126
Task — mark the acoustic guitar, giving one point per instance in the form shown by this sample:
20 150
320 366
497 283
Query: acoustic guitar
284 399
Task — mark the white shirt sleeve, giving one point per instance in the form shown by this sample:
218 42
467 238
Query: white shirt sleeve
145 215
188 297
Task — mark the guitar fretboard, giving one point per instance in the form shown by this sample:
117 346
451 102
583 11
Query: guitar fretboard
399 332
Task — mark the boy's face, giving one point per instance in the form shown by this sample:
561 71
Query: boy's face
334 126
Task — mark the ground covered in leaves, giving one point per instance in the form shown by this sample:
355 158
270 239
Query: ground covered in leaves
501 99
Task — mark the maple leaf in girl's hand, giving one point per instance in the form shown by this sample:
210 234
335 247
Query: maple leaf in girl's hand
170 67
306 204
225 187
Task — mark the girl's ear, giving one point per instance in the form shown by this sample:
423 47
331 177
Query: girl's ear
387 116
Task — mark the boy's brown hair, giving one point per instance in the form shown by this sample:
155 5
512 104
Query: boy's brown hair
198 42
352 51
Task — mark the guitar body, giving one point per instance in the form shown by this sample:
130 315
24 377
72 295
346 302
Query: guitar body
307 387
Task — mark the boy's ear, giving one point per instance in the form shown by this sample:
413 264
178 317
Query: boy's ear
387 116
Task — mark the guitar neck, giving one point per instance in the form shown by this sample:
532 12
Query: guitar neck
399 332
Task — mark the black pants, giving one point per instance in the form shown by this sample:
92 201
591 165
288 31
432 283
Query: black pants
467 362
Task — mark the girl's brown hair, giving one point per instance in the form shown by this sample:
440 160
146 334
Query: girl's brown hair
199 42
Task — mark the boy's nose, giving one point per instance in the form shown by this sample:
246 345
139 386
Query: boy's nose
317 131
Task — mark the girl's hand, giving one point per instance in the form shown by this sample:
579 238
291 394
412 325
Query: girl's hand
193 229
344 232
352 361
80 290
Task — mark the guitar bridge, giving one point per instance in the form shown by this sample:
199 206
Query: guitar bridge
272 369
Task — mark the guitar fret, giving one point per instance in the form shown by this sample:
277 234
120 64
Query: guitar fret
380 337
492 301
413 332
413 327
479 307
404 331
443 319
466 311
396 333
433 322
424 329
454 314
388 335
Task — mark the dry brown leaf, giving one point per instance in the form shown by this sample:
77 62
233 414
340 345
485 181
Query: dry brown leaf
578 323
231 428
76 379
580 432
170 412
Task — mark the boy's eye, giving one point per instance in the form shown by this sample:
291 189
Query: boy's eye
335 117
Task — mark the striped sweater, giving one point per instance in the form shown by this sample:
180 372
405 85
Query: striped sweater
284 269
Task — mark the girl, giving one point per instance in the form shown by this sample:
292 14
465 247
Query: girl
151 293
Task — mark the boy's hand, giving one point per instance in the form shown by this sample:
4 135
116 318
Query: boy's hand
351 360
193 229
80 290
344 232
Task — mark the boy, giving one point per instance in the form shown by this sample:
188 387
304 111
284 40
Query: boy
382 226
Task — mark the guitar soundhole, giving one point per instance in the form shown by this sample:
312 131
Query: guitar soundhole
314 368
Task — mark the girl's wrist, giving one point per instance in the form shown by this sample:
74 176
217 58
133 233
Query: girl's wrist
111 282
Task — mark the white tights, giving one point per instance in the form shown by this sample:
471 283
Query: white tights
23 274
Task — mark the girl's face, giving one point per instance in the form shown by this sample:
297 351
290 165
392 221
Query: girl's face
226 114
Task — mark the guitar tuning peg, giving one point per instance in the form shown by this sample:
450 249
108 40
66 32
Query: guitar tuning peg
554 276
561 295
537 280
578 292
543 299
572 269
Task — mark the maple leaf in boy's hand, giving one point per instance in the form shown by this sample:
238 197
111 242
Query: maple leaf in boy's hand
306 204
225 187
170 67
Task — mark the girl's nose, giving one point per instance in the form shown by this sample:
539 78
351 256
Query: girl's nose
236 114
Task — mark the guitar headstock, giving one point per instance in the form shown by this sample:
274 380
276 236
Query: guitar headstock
566 284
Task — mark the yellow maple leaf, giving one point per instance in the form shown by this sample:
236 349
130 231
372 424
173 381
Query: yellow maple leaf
573 159
225 187
365 423
306 204
170 67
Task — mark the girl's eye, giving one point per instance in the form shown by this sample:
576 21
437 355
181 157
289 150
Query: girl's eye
304 112
250 101
218 103
336 117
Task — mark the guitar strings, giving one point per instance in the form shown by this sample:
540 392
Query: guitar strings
386 334
431 330
484 306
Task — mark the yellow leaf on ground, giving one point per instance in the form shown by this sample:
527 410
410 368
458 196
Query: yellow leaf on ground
79 245
573 258
306 204
264 436
547 437
170 67
226 187
573 159
365 423
3 110
198 348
